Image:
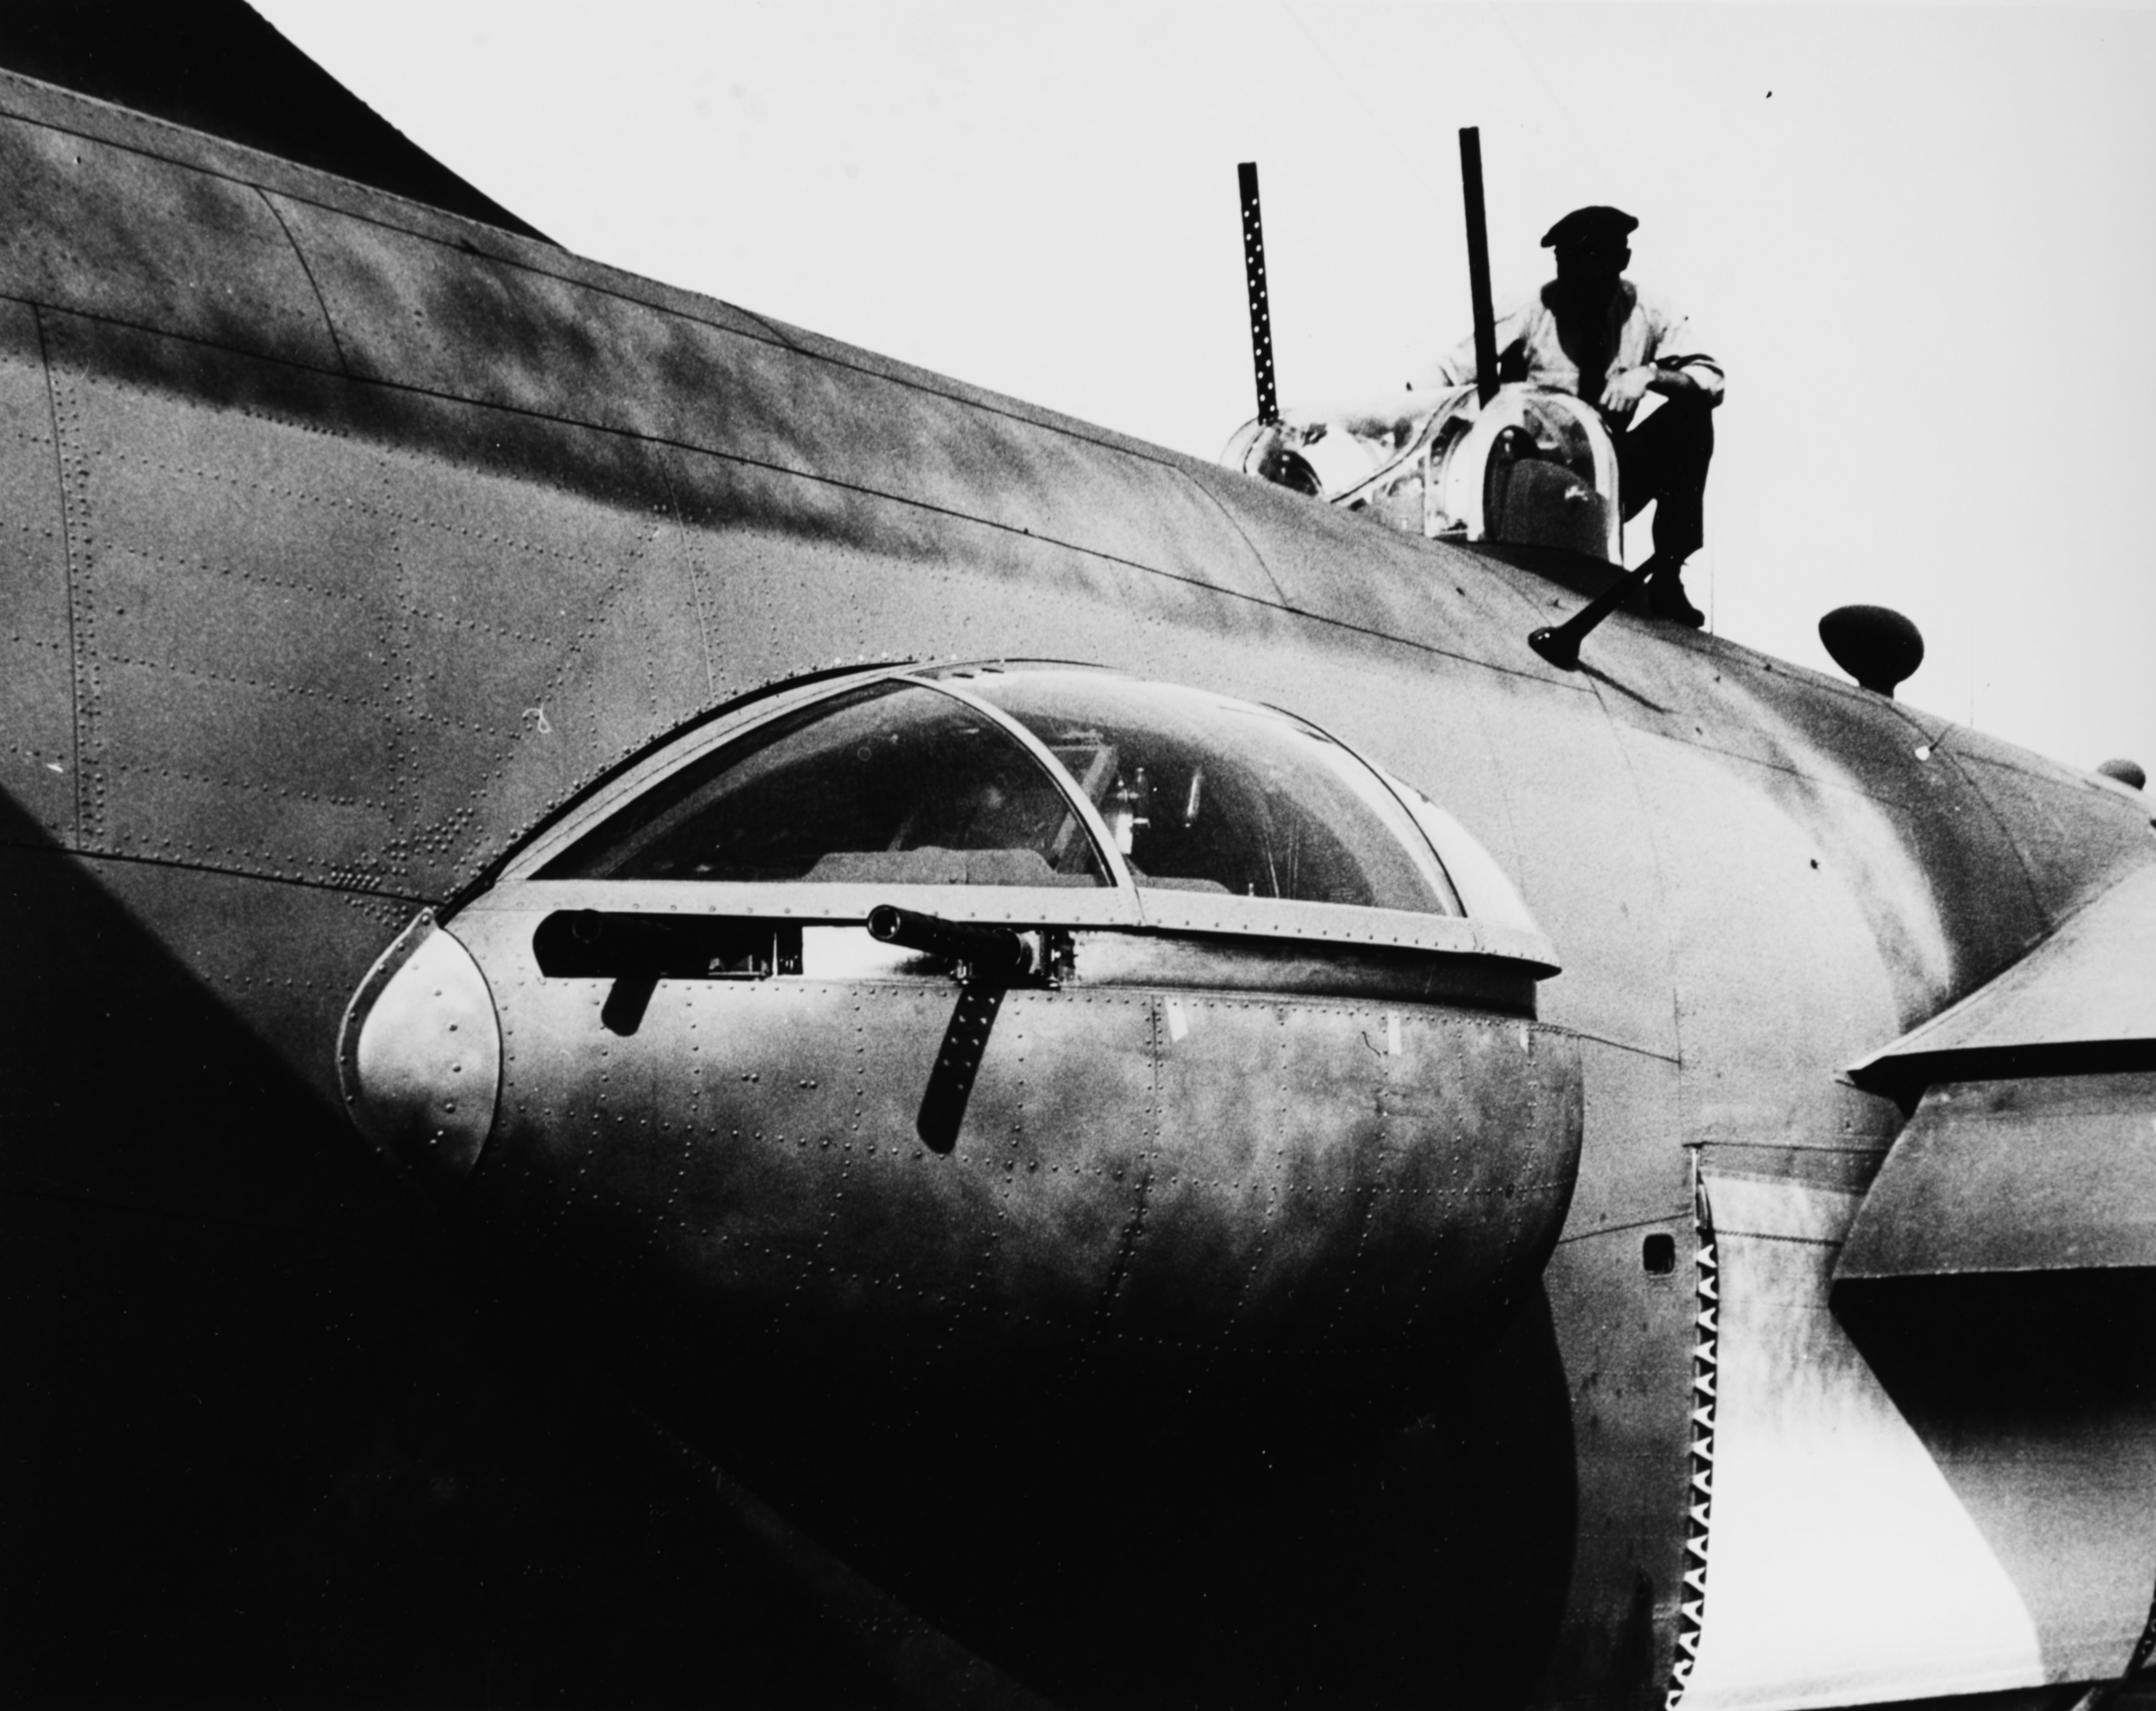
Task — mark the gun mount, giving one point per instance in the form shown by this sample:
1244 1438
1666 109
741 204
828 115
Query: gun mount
1534 468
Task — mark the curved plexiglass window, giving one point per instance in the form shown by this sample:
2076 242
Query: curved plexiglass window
1560 436
1201 792
889 784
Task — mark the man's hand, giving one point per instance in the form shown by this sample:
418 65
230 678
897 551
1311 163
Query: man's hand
1623 391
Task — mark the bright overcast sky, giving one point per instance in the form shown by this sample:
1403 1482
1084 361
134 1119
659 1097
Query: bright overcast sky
1921 240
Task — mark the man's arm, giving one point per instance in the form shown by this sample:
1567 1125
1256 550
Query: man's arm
1677 364
1697 378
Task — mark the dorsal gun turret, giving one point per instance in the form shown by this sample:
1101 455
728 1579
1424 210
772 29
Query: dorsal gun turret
1532 468
1520 464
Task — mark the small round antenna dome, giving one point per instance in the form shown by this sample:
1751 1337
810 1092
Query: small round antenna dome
2127 773
1874 645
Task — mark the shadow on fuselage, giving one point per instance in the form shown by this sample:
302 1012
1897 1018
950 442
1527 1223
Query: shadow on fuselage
1432 1570
1975 1352
270 1441
1104 1569
2033 1394
275 1435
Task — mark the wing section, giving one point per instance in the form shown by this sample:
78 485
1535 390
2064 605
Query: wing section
2033 1144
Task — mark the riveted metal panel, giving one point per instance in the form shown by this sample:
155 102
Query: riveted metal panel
493 332
196 742
1056 1157
172 144
490 330
113 232
298 652
547 632
37 708
1376 1147
419 1055
1286 1192
803 1204
197 768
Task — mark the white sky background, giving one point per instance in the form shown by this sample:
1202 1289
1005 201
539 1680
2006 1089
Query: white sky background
1927 259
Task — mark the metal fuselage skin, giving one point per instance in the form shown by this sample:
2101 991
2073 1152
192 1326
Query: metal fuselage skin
352 541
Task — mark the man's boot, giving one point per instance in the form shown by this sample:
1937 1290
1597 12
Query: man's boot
1666 598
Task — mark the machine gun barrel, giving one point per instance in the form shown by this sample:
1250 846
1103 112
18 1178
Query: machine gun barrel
1478 263
1254 276
990 951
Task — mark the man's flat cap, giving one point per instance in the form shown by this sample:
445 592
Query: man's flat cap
1584 225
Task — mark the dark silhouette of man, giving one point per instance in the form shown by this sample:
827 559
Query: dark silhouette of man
1592 332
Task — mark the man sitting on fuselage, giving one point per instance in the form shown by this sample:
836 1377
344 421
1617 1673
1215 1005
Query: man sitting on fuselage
1592 332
